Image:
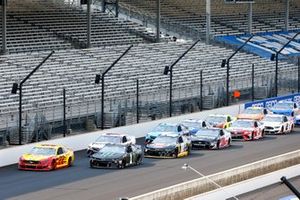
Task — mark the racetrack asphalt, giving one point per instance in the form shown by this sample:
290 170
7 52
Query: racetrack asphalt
80 182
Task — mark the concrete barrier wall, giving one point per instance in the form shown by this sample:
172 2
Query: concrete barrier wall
11 155
228 177
249 185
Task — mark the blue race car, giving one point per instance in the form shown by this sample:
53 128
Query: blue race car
166 128
288 108
194 125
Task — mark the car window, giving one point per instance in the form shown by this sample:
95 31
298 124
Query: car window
180 140
285 119
179 129
228 119
129 149
255 124
60 151
124 139
221 132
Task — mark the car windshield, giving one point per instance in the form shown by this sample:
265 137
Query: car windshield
109 139
165 128
208 133
252 111
284 105
165 140
272 119
113 149
43 151
192 124
244 124
216 119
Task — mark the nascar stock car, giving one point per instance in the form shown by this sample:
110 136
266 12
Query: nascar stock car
169 145
254 113
194 125
288 108
106 138
219 121
46 157
117 156
246 129
276 124
211 138
166 128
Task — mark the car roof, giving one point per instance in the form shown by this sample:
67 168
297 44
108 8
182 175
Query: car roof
274 115
113 134
256 108
218 115
246 120
53 146
193 120
169 124
169 134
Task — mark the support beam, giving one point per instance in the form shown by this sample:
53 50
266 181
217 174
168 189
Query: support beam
89 24
208 20
287 14
250 18
157 20
4 42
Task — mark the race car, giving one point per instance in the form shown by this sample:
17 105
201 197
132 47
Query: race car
194 125
46 157
219 121
254 113
211 138
180 129
276 124
288 108
246 129
168 146
106 138
117 156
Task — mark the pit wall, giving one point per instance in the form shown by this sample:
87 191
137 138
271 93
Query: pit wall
225 178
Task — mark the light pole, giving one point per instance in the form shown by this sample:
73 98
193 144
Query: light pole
225 62
168 69
101 77
187 166
17 86
275 57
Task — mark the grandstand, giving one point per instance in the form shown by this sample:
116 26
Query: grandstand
36 27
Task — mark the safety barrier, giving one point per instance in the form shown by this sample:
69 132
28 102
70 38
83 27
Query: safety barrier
228 177
11 155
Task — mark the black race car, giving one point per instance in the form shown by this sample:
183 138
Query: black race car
117 156
169 146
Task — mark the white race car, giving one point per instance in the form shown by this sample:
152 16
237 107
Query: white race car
277 124
109 138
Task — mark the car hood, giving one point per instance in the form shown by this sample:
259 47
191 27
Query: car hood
272 123
160 146
35 157
204 138
108 155
231 129
282 111
193 130
99 145
250 116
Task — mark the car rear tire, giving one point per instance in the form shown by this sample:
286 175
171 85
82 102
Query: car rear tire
53 165
69 162
175 154
252 136
229 143
91 164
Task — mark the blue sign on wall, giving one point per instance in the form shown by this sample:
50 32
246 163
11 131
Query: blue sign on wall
268 103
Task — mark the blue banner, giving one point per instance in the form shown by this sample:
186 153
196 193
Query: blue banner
270 102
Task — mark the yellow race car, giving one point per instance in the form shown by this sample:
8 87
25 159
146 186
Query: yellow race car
44 157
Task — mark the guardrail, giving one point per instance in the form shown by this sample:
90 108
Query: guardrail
79 142
270 102
228 177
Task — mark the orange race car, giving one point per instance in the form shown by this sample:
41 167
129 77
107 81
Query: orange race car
254 113
46 157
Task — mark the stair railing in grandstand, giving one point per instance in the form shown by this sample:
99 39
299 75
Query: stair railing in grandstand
101 77
275 57
17 86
